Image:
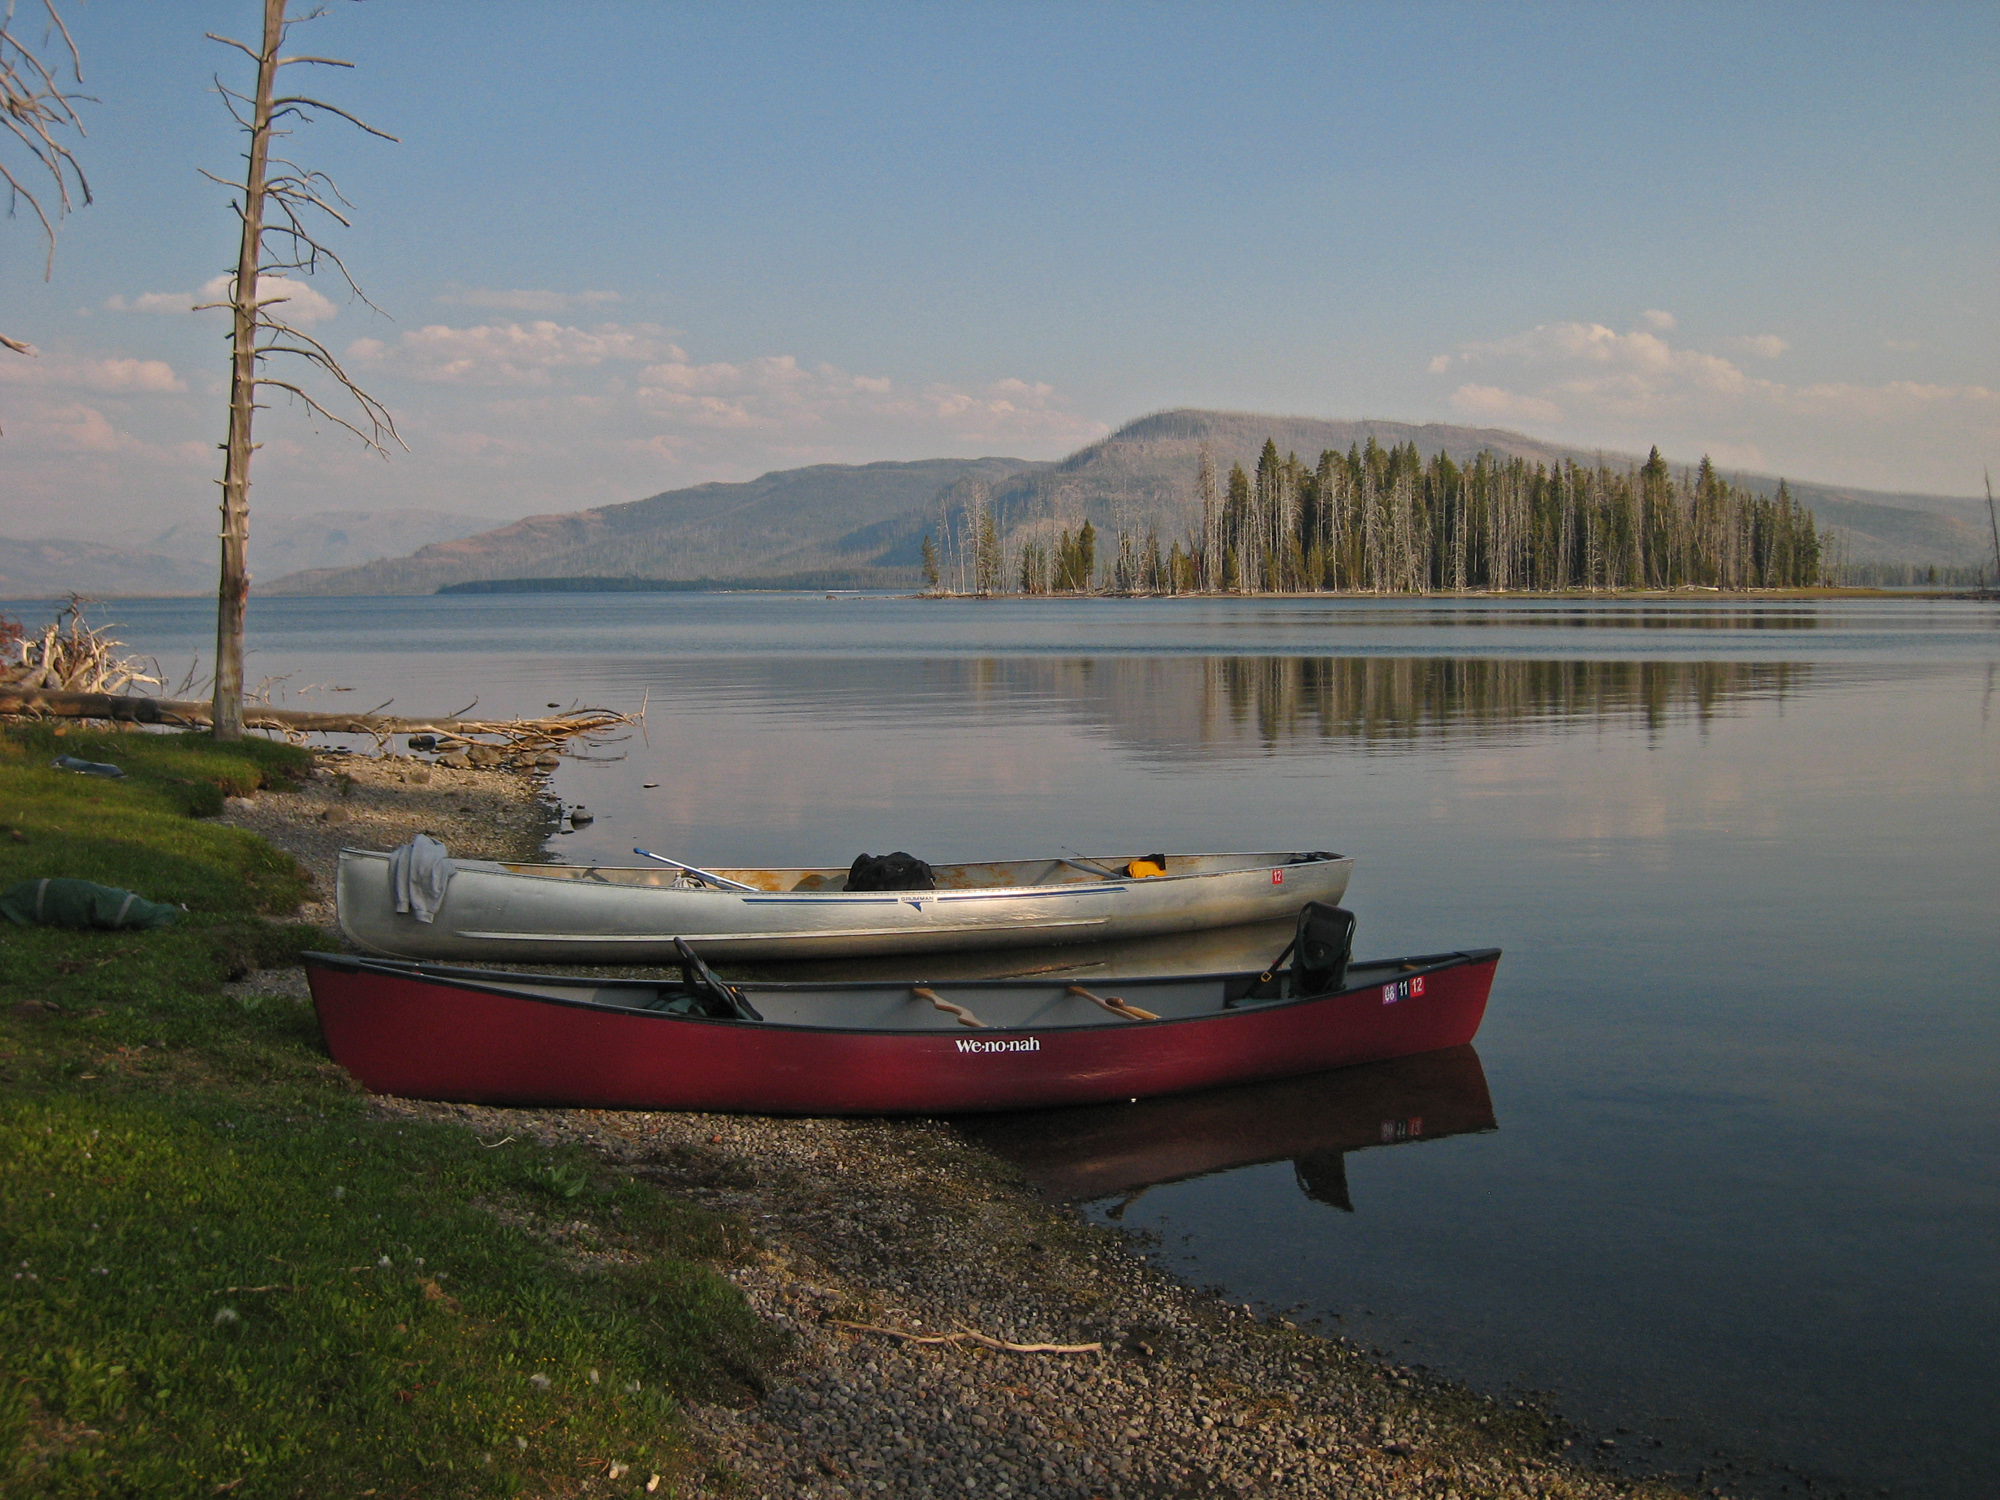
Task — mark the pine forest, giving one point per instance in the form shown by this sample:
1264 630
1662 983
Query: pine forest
1382 520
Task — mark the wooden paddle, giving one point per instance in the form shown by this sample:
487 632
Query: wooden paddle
1116 1006
965 1017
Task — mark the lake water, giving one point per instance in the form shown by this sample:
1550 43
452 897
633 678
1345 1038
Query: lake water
1722 1172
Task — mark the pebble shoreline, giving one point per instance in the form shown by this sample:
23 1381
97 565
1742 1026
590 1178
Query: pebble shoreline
905 1225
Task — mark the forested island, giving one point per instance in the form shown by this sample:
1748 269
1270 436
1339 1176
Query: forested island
1383 520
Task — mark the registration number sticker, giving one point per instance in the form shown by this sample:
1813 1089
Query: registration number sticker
1402 989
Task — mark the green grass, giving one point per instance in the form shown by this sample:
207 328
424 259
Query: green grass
141 832
221 1271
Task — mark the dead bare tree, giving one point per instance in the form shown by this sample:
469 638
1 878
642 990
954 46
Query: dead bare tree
40 114
288 204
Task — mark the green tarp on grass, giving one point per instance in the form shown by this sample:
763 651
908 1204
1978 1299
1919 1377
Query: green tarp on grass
80 903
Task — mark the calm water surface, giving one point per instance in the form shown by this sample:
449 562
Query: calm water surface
1723 1172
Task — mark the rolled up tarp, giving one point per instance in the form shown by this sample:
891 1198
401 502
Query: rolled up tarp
80 904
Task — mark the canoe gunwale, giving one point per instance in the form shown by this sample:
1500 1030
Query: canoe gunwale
491 911
509 985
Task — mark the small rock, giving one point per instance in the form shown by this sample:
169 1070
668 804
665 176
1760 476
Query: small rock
421 775
485 755
335 815
454 759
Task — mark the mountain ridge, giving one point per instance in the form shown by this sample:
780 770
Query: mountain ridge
874 516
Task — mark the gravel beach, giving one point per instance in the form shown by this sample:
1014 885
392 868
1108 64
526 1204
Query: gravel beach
907 1229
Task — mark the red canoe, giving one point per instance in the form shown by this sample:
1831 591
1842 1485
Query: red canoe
481 1036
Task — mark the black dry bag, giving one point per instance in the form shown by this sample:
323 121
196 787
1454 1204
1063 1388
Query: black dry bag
890 872
1321 951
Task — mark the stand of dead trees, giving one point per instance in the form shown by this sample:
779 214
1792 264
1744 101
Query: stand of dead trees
1383 520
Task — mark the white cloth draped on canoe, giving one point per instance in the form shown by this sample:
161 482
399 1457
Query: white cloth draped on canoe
419 871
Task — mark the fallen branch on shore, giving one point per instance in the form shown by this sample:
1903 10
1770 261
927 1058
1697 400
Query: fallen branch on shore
70 655
518 736
968 1336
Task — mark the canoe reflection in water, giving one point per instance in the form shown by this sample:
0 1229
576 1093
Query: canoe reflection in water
1120 1150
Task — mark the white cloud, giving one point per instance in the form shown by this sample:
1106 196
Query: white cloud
510 353
1492 403
119 377
524 300
152 302
1658 321
298 301
635 375
1762 345
525 416
1587 383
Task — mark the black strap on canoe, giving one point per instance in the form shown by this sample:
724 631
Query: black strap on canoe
1263 979
699 978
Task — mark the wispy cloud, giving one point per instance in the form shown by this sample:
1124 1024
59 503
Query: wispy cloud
524 300
633 376
302 303
1590 382
121 377
1492 403
1759 345
159 303
509 353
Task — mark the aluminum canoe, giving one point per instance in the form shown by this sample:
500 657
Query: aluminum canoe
527 913
483 1036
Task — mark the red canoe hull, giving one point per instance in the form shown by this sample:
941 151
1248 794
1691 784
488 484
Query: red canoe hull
429 1036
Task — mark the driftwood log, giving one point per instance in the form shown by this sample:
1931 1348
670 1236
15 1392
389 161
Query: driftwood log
516 734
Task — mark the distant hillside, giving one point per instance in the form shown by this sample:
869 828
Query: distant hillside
1878 533
182 559
826 517
322 538
1143 475
50 567
835 518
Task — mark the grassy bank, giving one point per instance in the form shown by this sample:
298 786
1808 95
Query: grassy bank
226 1274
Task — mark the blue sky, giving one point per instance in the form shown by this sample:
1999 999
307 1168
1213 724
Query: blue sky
626 247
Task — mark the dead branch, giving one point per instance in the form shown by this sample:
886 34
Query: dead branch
966 1335
74 656
39 112
515 736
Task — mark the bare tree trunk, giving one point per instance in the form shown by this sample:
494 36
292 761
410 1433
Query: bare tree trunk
233 594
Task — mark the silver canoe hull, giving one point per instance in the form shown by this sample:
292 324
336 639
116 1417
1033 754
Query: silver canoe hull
618 914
